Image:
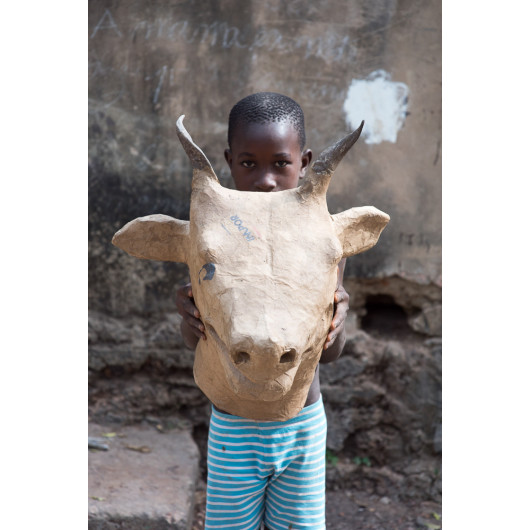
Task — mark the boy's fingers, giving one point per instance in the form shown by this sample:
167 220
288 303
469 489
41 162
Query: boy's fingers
184 293
336 325
341 295
195 322
341 309
341 299
199 334
197 327
189 312
189 308
338 319
329 340
340 316
185 302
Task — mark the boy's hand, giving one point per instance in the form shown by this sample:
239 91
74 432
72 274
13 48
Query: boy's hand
342 299
192 327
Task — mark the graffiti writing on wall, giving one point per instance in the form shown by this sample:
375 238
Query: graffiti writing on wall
411 239
330 46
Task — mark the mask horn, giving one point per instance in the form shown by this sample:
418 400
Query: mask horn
318 178
203 172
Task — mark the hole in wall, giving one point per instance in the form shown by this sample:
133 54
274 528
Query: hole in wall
385 318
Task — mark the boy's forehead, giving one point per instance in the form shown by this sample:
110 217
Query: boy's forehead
274 130
282 127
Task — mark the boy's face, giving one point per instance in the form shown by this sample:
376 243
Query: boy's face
267 157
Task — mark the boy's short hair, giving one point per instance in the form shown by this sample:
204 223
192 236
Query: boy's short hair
267 107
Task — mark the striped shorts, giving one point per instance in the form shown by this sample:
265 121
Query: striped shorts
267 471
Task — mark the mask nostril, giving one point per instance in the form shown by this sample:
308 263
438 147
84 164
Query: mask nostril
288 357
241 357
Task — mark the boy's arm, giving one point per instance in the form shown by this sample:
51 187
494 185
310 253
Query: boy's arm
337 336
191 326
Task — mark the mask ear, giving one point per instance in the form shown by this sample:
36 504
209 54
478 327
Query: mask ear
158 237
358 229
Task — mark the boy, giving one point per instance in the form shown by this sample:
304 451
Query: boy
271 472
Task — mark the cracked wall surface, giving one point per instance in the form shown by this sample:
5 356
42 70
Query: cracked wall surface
150 62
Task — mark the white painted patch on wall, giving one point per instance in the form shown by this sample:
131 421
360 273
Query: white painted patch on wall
380 102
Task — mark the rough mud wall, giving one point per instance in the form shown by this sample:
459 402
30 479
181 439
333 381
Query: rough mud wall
343 61
382 398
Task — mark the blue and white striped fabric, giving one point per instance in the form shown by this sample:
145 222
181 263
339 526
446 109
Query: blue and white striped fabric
271 471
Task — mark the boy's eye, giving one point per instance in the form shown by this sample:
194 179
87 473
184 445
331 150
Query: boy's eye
282 163
248 163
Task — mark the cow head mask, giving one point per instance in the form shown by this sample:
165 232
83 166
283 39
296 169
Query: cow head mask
263 270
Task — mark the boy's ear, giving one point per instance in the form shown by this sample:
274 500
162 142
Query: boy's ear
307 156
228 157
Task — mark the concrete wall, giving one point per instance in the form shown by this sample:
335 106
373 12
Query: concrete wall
342 60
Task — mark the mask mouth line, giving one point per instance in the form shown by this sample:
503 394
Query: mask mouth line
236 379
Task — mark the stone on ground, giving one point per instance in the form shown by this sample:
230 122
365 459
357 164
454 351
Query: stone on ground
144 481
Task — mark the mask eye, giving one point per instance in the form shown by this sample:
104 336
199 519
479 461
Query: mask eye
207 272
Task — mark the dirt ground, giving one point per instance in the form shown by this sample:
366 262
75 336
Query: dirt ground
355 510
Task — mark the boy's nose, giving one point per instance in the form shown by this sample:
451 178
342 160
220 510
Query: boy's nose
266 182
